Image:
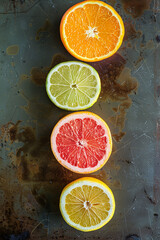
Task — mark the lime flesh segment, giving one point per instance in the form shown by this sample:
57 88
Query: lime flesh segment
73 85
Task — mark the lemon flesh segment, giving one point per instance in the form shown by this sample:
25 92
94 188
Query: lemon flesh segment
87 204
73 85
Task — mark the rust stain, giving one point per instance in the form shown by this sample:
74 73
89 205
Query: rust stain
113 166
14 226
125 85
117 184
13 131
39 111
109 70
12 50
139 60
58 58
101 175
106 177
118 137
32 169
4 133
142 50
116 80
24 77
45 28
22 134
38 75
119 118
130 31
15 223
17 6
136 8
148 45
117 84
129 45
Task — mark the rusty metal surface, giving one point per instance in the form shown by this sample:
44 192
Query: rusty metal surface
31 179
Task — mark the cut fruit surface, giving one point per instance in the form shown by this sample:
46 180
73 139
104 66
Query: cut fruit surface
73 85
87 204
81 142
91 30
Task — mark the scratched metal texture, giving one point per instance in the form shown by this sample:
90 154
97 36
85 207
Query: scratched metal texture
30 178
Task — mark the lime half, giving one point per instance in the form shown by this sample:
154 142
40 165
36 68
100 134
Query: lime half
73 85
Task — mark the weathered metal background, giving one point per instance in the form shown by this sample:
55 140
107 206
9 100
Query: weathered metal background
31 180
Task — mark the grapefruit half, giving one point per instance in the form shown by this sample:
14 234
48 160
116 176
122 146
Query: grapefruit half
81 142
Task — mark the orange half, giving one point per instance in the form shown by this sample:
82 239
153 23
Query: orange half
91 31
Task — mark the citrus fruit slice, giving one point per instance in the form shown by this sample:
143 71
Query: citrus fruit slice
81 142
87 204
73 85
91 31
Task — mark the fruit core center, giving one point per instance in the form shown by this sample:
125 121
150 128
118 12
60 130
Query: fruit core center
87 204
92 32
73 86
81 143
